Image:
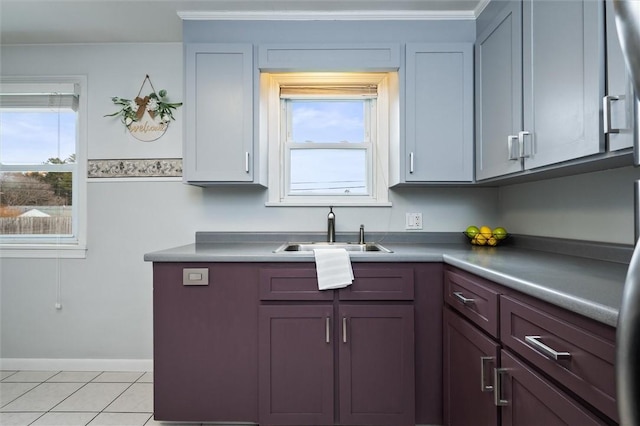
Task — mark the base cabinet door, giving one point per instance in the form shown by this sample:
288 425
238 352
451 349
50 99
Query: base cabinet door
469 359
376 367
527 399
296 365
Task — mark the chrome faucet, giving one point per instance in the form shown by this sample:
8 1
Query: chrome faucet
331 226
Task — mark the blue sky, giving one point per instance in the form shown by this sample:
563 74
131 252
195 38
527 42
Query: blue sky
34 137
326 121
328 170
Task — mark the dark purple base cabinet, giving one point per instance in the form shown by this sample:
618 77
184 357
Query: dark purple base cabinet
351 357
251 346
206 344
497 372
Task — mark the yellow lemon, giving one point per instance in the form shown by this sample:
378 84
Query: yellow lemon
480 239
500 233
492 241
486 232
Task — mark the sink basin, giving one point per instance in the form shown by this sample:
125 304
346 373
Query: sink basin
351 247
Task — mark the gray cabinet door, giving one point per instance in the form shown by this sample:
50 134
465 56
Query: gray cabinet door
218 144
562 80
499 93
439 113
618 105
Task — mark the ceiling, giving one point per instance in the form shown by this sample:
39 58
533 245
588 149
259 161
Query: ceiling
107 21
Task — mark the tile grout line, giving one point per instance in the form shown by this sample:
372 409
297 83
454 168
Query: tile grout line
84 383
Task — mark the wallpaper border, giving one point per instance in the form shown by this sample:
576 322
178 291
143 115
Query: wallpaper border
126 168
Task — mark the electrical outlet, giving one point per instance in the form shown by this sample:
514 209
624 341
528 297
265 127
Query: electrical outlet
414 221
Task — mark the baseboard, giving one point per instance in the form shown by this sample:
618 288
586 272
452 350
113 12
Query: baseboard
57 364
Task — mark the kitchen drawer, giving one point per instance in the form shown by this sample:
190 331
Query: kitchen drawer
474 298
370 283
294 283
386 283
585 363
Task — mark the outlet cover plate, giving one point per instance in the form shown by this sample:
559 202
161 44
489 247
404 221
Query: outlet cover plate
414 221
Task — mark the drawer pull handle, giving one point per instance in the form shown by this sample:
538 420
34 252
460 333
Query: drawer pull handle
497 387
327 330
545 350
484 360
461 298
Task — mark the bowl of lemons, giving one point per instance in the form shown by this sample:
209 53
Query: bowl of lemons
485 236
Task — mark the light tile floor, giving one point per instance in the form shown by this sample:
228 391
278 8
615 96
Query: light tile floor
70 398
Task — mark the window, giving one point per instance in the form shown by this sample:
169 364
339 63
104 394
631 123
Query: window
328 137
41 167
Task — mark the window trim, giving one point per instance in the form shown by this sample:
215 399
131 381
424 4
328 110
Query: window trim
56 246
270 127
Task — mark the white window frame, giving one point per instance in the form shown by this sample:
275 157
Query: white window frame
54 246
272 121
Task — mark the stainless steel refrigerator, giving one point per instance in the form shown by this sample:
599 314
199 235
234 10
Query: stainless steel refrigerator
627 14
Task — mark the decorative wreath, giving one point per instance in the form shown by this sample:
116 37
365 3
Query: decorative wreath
154 103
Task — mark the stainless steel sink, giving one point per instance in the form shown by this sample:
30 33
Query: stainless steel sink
351 247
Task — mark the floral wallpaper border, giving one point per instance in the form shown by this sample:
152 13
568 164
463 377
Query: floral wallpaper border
148 167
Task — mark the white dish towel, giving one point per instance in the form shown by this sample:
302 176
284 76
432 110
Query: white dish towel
333 268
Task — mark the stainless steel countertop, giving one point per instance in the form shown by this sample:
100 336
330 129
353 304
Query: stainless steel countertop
589 287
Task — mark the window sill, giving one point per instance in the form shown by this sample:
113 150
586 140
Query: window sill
42 251
327 203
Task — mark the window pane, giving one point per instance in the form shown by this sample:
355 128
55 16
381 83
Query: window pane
327 121
329 172
34 137
35 203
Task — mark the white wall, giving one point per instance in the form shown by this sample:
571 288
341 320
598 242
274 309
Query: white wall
106 310
595 206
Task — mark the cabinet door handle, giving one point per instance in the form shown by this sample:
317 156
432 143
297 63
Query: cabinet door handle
411 162
344 329
510 140
497 387
465 301
606 113
484 360
246 162
327 330
545 350
521 136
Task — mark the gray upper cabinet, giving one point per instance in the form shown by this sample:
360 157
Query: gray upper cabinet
550 111
563 78
499 93
219 111
618 105
438 113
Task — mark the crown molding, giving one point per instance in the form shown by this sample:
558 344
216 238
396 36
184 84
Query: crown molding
320 15
480 7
